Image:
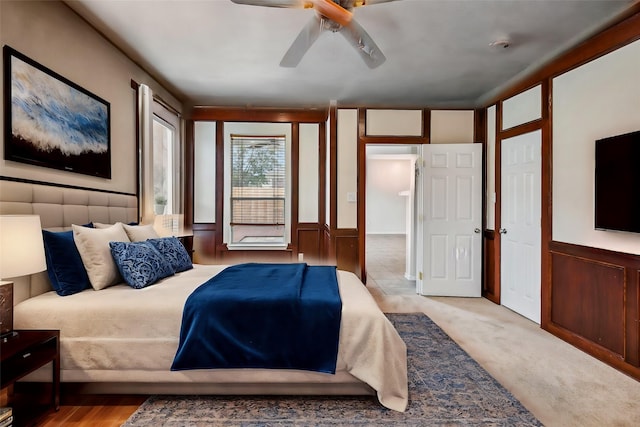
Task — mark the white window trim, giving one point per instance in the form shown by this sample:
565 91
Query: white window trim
254 128
257 246
148 106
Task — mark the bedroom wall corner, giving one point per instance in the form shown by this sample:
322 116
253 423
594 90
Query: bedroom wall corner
52 34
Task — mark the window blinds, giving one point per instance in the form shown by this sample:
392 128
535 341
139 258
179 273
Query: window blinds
257 180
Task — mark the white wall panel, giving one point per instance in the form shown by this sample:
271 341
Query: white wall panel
597 100
308 182
204 172
327 181
522 108
347 168
451 127
394 123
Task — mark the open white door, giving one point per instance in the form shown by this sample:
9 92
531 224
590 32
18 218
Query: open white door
520 224
451 220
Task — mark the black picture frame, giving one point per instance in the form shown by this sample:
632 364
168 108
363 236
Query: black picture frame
51 121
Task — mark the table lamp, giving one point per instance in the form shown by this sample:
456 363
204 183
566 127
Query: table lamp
171 225
21 254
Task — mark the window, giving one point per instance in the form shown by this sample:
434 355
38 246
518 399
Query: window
256 212
258 189
164 167
161 157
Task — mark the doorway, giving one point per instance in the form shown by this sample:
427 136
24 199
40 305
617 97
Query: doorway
520 229
451 213
390 242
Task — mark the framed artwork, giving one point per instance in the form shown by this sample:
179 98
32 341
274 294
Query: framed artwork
51 121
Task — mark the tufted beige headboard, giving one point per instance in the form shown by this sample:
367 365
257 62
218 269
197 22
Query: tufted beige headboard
59 207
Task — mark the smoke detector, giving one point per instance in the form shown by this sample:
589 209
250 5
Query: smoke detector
503 43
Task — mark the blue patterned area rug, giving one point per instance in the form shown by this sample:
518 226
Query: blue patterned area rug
446 388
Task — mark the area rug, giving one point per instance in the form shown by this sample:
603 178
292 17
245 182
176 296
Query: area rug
446 387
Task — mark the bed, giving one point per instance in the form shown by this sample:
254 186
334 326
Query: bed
123 340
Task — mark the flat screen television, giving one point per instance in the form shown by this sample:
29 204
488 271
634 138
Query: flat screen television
617 183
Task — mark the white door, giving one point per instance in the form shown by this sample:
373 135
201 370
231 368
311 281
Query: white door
520 224
451 216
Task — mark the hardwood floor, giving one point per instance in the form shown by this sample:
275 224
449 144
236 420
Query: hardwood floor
76 409
93 411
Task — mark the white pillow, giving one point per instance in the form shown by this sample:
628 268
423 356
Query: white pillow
93 245
140 233
101 225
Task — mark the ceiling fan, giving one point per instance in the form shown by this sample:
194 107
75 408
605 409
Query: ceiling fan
331 15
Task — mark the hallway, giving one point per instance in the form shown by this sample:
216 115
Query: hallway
385 263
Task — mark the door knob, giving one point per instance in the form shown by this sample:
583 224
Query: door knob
503 231
476 230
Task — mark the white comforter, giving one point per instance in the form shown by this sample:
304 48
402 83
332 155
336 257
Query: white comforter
134 333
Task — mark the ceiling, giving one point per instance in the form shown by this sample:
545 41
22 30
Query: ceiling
215 52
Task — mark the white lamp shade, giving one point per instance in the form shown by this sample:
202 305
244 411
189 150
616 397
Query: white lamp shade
21 246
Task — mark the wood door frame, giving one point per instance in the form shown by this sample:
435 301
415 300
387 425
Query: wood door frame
209 236
363 140
543 124
479 136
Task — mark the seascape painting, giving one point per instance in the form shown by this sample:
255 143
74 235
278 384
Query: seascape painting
52 122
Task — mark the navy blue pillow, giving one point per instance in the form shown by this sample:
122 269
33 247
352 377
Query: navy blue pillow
64 264
139 263
174 252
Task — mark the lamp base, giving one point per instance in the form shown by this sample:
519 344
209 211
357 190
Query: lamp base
6 308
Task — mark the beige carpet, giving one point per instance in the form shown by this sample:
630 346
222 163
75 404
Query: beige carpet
559 384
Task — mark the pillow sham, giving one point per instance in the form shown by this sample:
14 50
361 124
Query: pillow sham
140 263
93 245
140 233
103 225
174 252
64 264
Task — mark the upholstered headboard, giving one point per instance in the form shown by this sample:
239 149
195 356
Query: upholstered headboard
59 207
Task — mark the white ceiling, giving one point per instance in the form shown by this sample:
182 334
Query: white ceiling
215 52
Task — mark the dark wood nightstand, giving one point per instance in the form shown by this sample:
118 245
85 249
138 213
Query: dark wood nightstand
24 353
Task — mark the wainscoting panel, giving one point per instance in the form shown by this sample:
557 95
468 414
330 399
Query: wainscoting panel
347 252
309 243
490 283
204 245
341 248
588 299
595 303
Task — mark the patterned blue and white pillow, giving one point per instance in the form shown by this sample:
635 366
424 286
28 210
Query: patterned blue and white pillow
174 252
140 263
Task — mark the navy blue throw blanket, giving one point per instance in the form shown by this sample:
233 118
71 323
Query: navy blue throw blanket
282 316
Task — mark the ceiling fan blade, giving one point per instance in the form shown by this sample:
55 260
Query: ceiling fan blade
298 4
364 44
302 43
358 3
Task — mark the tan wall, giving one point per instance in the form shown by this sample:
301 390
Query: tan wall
53 35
